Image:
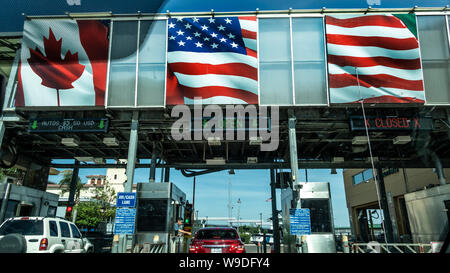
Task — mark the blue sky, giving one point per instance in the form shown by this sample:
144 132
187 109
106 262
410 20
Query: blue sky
252 187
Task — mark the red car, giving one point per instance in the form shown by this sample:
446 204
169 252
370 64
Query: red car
217 240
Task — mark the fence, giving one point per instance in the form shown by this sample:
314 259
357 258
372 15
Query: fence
390 248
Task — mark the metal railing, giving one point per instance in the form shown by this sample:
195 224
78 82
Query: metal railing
149 248
390 248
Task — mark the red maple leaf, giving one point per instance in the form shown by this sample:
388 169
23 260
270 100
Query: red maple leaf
55 72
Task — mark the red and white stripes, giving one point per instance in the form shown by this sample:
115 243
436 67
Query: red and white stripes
382 51
218 77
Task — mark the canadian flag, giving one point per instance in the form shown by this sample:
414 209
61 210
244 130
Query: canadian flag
63 63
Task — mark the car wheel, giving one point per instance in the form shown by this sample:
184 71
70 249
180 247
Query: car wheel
13 243
90 250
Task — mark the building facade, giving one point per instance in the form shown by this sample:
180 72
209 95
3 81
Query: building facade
114 178
362 198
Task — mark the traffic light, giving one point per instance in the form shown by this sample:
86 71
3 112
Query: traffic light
188 215
69 212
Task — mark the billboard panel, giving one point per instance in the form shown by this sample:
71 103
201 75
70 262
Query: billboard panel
212 60
11 20
63 63
375 58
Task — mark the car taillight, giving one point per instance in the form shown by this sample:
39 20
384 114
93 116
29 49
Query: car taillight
43 244
237 248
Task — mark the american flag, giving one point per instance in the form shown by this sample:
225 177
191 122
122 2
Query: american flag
382 50
213 59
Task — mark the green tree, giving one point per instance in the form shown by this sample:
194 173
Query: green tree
13 172
91 214
65 182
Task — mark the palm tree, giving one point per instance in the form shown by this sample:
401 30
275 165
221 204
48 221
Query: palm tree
64 185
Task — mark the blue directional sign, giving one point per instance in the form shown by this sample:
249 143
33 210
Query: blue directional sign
126 200
125 221
300 221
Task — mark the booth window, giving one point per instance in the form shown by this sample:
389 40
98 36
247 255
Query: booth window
309 61
434 48
319 213
275 68
122 70
152 63
152 215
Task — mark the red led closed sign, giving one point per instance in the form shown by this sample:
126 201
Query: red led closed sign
391 123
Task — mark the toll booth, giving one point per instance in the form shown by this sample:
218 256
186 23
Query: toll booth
316 197
158 207
25 201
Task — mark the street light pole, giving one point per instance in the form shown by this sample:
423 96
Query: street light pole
239 212
260 217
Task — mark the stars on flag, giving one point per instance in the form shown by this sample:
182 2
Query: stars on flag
220 34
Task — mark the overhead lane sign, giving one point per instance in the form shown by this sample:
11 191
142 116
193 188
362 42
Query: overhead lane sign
379 123
56 125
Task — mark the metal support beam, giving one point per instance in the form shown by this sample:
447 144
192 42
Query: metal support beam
2 131
132 151
131 162
5 202
73 184
275 222
439 169
293 148
385 207
153 164
166 174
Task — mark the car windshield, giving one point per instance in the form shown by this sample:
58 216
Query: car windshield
24 227
217 234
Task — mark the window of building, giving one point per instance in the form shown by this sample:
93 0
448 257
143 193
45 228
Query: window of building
122 70
434 49
363 176
152 63
308 48
51 212
389 171
275 68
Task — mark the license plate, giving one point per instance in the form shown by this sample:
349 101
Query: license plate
216 250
